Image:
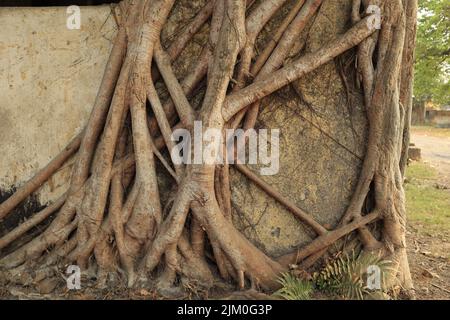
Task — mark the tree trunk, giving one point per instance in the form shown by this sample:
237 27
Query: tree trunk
112 216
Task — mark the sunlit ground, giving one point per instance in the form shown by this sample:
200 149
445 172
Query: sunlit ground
428 204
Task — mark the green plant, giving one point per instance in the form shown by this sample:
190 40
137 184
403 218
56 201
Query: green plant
294 288
345 276
432 63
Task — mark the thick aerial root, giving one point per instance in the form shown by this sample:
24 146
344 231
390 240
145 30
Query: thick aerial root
194 266
197 238
407 76
99 112
179 99
254 24
171 229
383 165
171 267
273 41
92 209
282 51
327 239
243 255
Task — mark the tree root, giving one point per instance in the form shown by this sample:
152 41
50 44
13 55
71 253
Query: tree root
111 218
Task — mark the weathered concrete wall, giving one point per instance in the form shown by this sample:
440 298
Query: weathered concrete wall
49 76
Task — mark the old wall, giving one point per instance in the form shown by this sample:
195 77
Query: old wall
49 76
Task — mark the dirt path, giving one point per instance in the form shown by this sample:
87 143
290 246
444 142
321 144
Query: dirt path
428 253
436 151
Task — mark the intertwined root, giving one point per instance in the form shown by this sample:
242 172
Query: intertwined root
112 211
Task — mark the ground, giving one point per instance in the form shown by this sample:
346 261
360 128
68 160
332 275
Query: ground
428 204
435 145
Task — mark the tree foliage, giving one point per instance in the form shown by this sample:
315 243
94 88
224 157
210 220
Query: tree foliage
432 70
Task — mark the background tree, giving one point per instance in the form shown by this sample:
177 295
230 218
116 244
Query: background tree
432 67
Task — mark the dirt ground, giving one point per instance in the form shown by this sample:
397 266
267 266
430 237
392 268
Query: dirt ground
429 253
435 150
430 264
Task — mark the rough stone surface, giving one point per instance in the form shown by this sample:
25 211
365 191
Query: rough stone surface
49 77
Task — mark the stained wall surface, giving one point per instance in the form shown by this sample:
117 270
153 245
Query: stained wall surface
49 77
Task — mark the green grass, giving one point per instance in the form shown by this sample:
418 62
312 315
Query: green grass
432 131
421 172
427 205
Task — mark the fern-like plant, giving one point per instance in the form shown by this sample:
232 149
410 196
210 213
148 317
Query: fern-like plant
294 288
346 275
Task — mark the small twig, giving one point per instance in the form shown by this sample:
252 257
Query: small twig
439 287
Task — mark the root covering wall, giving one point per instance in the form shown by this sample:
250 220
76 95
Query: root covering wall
49 77
322 144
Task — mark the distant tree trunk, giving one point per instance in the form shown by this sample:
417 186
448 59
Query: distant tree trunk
418 112
112 211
